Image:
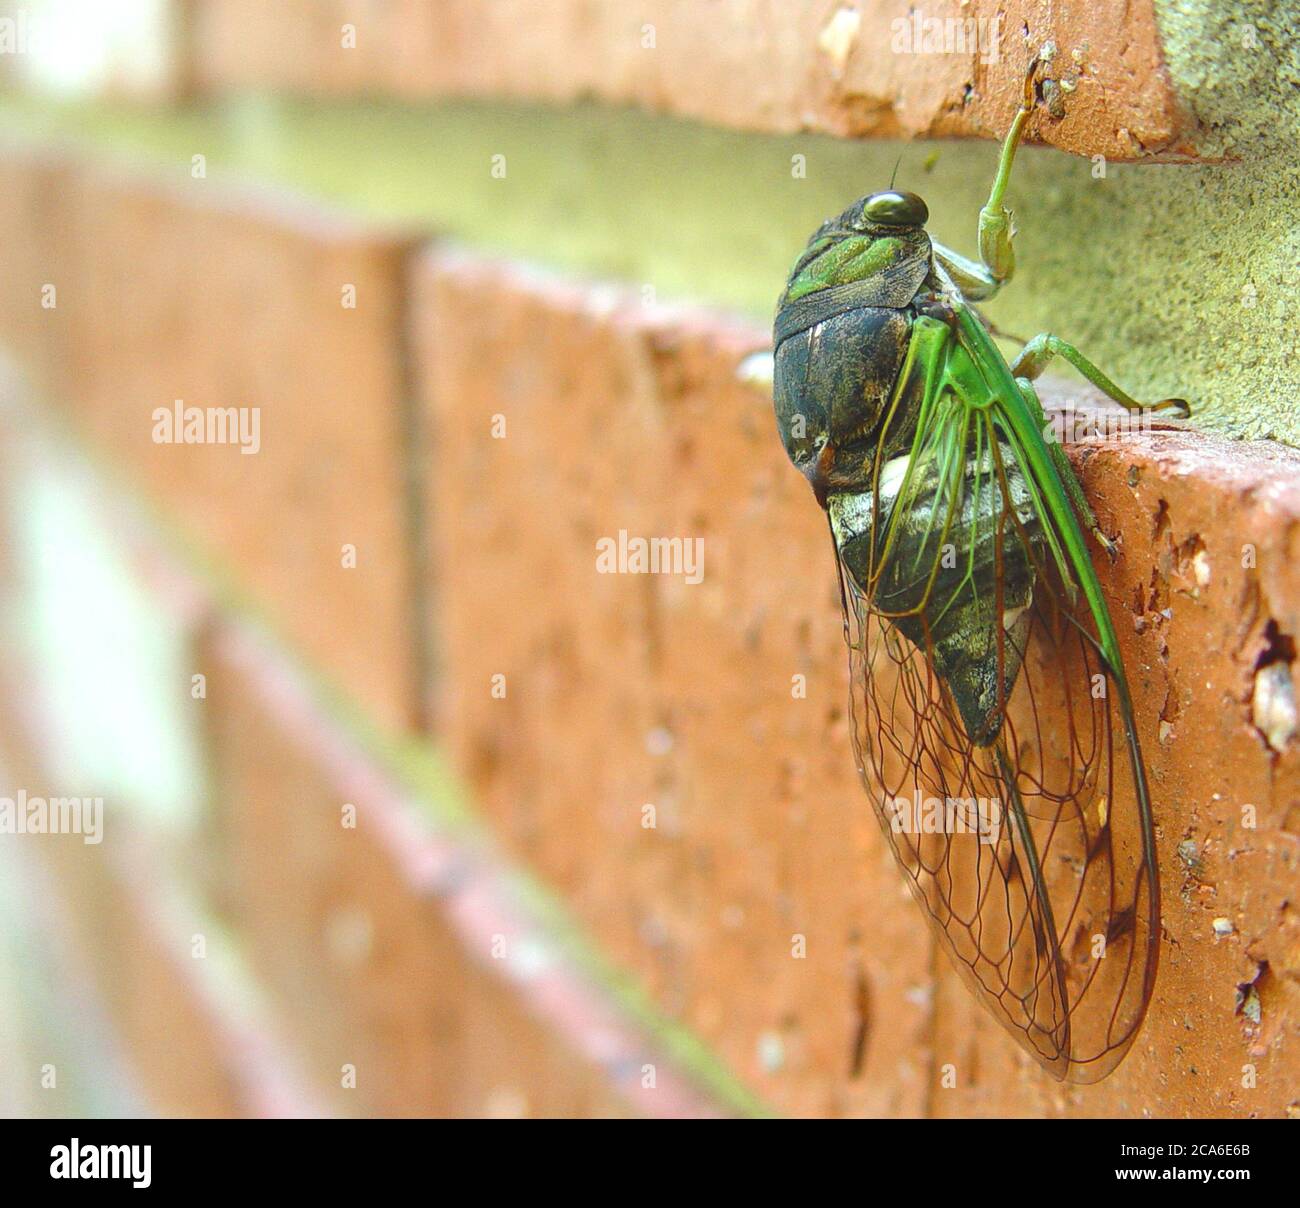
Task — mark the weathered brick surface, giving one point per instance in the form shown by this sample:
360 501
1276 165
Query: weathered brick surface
623 690
841 67
187 291
352 945
1210 570
157 1016
168 1030
131 995
376 942
627 691
34 185
157 1024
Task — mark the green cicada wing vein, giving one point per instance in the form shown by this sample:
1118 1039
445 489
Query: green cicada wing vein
995 739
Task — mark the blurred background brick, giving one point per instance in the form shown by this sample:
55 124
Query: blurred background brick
186 295
358 957
636 705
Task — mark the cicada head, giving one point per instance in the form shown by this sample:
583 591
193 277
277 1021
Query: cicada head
895 209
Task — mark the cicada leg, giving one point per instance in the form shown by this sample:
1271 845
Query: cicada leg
1077 498
997 261
1035 355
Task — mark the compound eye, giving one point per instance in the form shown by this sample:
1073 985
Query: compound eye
895 208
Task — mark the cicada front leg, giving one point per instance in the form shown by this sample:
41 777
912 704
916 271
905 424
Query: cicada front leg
980 280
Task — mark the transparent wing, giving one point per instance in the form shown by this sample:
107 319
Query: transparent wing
1027 848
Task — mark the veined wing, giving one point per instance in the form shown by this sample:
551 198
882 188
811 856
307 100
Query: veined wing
994 733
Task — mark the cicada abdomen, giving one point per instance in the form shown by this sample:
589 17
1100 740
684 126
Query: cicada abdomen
942 557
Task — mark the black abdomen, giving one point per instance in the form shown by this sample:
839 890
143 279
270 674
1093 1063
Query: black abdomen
833 380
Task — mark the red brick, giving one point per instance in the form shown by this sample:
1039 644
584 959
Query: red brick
142 1003
117 920
797 66
34 185
189 291
379 942
619 417
626 690
194 1042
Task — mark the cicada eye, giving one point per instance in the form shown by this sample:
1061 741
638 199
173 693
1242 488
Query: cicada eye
895 208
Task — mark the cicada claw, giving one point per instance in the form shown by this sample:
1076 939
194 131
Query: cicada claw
1031 94
1109 544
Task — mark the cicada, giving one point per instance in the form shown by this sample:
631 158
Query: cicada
992 720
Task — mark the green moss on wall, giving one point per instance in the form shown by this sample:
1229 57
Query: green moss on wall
1180 280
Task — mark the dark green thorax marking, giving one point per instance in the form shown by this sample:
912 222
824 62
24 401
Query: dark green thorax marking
887 263
856 257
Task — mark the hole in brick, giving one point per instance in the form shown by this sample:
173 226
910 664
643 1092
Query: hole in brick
1279 647
1273 702
862 1024
1161 523
1249 1005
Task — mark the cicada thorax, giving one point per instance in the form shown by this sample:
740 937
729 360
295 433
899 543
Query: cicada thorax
948 558
841 335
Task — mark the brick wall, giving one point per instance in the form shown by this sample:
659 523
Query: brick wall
468 827
812 65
